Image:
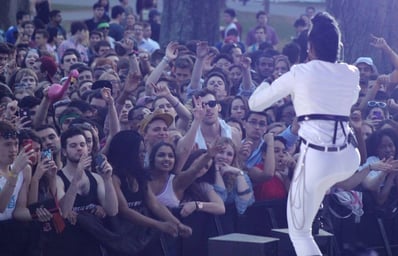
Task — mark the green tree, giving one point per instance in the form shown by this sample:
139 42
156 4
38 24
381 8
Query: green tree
184 20
359 19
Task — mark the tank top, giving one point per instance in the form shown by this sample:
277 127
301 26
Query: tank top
135 200
168 197
83 203
7 214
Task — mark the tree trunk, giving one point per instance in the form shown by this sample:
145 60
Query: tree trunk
266 6
184 20
8 10
358 20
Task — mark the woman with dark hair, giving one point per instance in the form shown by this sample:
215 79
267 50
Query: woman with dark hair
168 187
238 108
282 164
382 147
323 92
136 200
201 202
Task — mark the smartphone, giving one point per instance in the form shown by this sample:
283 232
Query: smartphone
47 154
24 113
28 142
98 161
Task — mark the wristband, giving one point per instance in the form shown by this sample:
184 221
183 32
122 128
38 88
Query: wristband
167 60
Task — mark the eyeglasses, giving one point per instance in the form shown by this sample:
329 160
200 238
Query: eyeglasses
261 124
9 134
211 103
379 104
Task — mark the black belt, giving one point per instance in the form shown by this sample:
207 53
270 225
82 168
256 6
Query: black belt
322 117
322 148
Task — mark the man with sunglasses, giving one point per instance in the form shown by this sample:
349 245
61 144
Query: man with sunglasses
376 113
212 126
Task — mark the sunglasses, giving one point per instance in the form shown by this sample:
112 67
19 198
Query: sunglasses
211 103
379 104
9 135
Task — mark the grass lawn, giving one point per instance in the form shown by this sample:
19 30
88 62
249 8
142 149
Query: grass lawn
68 7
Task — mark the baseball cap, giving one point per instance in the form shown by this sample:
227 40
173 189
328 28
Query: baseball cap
366 60
155 115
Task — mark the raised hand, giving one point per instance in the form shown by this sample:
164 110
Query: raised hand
22 159
245 150
160 89
216 147
44 167
84 163
132 82
107 95
378 42
356 120
172 51
198 110
202 49
105 170
245 62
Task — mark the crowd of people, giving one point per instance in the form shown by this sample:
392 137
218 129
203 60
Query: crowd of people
111 144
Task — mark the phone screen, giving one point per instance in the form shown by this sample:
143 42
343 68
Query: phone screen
47 154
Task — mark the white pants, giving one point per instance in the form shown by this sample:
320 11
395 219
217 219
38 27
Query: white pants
315 173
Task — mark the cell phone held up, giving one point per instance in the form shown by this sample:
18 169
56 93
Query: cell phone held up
24 113
99 161
47 155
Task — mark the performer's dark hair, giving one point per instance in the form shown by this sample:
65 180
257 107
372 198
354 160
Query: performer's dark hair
324 36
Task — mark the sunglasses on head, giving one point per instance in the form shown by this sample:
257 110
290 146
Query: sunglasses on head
9 134
211 103
374 103
84 126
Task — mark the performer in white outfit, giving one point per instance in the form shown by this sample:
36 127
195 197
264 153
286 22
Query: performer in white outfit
322 92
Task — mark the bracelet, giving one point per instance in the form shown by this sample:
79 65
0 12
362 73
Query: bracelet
167 60
12 175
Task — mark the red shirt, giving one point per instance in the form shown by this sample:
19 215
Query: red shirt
270 189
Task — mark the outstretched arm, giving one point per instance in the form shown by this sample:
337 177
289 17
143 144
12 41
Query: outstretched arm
380 42
171 54
202 50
